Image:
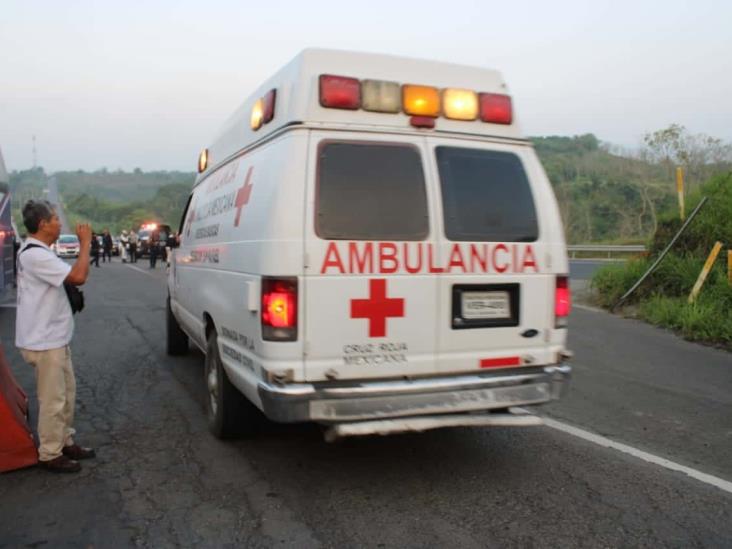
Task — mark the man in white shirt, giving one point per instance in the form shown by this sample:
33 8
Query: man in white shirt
43 330
124 242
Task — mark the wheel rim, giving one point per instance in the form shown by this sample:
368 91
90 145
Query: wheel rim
212 381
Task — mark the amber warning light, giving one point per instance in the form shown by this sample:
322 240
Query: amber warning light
263 110
203 161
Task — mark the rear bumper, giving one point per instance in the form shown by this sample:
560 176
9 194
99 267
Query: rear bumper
337 402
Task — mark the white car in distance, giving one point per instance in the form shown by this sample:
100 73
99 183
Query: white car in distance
67 245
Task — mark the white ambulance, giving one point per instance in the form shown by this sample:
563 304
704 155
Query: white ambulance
371 244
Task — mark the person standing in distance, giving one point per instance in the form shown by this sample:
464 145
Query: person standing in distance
133 246
43 330
107 245
94 250
124 243
153 245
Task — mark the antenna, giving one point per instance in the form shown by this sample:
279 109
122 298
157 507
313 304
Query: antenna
35 156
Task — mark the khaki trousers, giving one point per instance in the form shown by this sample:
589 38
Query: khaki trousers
56 388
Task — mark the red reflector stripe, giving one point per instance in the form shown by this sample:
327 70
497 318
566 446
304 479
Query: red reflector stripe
502 361
422 122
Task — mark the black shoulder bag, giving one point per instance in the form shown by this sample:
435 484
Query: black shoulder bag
74 294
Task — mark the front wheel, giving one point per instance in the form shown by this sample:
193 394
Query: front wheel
229 412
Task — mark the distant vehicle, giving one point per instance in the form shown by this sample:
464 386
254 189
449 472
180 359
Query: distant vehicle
143 236
67 245
7 233
115 245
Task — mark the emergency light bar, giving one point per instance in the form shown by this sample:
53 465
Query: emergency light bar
460 104
380 96
263 110
420 102
496 108
339 92
203 161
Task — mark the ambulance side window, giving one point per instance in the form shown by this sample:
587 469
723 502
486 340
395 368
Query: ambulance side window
370 191
183 217
486 196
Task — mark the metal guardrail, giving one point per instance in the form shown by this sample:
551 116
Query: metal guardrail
606 249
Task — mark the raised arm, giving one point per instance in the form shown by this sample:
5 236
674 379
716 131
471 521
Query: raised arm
80 270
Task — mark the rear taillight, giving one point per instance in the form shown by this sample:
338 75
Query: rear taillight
562 302
279 309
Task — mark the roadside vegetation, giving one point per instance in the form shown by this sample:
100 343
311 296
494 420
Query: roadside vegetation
663 298
165 206
114 200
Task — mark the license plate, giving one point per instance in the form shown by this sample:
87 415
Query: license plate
484 305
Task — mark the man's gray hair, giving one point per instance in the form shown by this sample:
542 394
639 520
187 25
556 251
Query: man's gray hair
34 212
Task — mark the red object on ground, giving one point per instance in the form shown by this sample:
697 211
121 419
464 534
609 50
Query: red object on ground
17 447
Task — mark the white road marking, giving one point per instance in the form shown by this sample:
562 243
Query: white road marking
640 454
139 270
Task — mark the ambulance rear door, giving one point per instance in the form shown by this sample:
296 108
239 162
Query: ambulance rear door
369 298
496 292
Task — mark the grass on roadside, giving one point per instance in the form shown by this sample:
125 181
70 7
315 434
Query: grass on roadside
663 298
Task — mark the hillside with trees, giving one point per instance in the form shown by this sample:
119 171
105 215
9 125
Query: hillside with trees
610 195
115 200
605 194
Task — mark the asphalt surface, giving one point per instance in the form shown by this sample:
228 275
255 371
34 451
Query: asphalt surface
160 479
584 269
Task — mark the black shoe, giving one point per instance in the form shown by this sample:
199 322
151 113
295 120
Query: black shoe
76 452
61 464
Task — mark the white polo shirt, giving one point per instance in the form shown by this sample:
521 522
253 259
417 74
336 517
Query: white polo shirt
44 319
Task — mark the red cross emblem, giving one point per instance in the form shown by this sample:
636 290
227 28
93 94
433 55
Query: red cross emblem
377 308
242 196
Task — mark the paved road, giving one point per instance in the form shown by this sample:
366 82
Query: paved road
161 480
583 269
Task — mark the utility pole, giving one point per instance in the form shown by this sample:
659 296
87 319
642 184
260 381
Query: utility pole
35 156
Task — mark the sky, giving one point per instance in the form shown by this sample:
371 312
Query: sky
127 85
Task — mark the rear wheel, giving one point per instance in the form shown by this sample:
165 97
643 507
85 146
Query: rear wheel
177 340
229 412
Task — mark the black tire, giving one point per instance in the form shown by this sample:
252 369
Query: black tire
176 337
229 412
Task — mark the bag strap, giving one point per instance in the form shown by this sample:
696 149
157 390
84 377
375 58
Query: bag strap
31 245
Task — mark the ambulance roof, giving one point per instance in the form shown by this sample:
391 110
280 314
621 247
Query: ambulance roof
298 100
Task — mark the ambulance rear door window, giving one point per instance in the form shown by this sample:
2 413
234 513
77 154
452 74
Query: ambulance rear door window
370 191
486 196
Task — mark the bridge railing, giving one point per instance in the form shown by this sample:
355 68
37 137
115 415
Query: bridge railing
604 249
